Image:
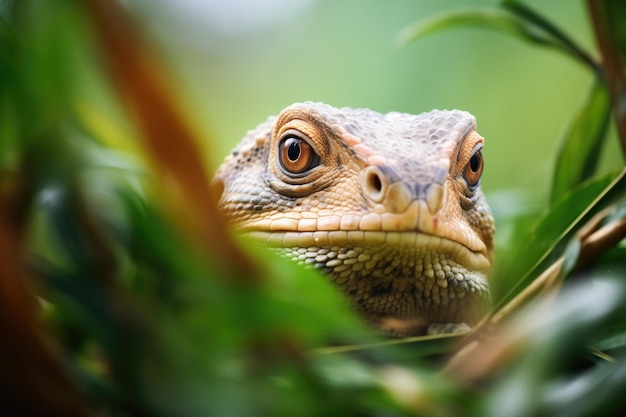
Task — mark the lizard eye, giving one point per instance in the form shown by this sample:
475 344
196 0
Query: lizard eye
296 156
474 169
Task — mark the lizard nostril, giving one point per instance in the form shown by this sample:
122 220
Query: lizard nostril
373 184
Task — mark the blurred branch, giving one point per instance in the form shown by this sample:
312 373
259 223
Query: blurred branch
480 354
607 18
167 135
601 241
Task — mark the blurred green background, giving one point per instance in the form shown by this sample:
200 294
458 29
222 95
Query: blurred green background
238 62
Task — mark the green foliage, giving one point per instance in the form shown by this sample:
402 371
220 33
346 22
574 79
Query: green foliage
556 227
582 142
136 314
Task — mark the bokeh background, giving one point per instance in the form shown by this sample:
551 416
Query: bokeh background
239 61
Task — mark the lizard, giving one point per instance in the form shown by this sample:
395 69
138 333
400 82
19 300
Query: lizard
388 206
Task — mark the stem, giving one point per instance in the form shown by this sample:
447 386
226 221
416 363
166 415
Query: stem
612 61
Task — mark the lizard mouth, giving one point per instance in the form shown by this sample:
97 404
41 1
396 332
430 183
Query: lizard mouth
354 243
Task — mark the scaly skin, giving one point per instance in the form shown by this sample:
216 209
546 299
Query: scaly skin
388 206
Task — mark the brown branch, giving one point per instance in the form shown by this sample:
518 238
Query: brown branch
612 64
166 134
491 343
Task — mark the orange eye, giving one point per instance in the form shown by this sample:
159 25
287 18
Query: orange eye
474 169
296 155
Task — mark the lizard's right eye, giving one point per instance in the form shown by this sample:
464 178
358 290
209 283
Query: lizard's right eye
296 155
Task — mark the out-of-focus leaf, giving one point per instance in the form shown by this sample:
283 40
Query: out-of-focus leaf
582 142
558 225
598 391
407 389
548 337
486 18
526 13
105 130
518 25
294 295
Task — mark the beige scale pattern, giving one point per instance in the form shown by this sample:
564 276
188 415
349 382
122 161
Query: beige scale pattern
388 206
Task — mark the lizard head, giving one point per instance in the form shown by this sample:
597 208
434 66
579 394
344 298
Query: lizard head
389 206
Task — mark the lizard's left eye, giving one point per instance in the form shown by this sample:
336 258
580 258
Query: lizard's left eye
474 169
296 155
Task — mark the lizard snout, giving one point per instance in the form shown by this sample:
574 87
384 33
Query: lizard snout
382 185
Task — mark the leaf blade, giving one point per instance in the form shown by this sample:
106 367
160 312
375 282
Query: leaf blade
515 24
581 142
488 18
567 43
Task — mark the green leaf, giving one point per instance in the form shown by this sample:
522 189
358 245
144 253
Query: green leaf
483 18
566 43
524 26
582 141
